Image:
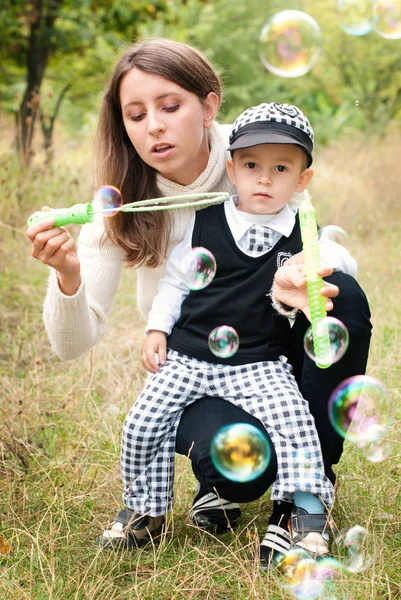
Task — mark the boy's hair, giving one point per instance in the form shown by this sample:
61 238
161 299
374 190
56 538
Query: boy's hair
272 123
143 236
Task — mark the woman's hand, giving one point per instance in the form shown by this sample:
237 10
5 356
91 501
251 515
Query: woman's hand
156 343
55 247
289 286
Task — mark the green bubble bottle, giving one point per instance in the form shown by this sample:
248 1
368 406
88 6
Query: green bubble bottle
78 214
317 302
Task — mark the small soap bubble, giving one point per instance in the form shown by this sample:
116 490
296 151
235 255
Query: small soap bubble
388 19
338 337
223 341
328 569
307 587
360 411
302 468
198 268
110 200
240 452
290 43
306 578
355 17
353 545
333 233
288 562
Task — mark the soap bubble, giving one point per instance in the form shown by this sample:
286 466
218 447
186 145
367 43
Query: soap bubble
333 233
353 545
198 268
223 341
355 17
240 452
338 338
110 199
306 578
388 19
360 411
290 43
303 468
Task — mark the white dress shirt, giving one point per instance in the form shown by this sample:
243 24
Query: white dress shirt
172 290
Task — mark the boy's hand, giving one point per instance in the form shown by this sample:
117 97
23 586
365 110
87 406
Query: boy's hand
156 343
289 286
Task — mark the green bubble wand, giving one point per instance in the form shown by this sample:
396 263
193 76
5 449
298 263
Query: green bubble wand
317 302
80 214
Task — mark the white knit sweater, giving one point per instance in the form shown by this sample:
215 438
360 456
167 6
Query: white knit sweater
76 323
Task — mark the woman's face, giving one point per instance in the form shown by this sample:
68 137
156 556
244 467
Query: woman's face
167 124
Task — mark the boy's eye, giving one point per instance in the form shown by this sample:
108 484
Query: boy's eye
281 168
251 165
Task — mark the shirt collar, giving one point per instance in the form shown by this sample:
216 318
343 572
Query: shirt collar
283 222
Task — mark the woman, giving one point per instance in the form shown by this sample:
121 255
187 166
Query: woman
158 136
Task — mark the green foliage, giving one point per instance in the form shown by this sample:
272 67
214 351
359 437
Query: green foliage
356 83
365 70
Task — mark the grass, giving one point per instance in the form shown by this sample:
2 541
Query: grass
60 422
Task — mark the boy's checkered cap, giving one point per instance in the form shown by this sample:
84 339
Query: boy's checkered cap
272 123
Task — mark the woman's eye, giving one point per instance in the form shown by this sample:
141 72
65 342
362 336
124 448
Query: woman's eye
136 117
172 108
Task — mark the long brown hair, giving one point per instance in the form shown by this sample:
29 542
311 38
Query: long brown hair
144 236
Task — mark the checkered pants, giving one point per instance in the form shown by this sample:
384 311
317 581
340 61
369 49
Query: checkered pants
266 390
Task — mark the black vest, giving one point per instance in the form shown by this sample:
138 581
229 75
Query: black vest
237 296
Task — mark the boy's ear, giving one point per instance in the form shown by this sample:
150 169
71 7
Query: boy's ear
230 171
211 106
304 180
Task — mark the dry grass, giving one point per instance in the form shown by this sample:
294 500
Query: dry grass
60 422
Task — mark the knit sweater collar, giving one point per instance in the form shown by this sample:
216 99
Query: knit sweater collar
210 180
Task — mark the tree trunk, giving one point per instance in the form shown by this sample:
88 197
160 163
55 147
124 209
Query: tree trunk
44 13
47 124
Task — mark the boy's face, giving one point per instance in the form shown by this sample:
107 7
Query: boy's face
266 176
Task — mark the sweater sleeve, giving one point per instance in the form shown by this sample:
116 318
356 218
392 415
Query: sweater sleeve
76 323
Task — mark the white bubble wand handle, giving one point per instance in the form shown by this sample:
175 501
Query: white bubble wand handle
317 302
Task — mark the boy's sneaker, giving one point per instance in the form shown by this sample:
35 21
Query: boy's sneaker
212 513
130 530
277 540
310 532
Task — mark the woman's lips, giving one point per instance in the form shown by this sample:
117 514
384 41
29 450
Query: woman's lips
162 150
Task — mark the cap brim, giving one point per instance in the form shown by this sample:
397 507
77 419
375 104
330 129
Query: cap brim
256 138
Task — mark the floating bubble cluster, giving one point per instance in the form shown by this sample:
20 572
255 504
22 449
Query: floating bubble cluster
198 268
290 43
240 452
338 336
387 19
223 341
110 199
355 17
360 411
305 578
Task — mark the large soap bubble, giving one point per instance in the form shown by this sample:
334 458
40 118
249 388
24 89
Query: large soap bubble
290 43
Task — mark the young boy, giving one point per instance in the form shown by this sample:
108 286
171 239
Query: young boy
250 236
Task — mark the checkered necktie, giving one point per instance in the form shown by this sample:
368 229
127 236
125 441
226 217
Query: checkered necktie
259 239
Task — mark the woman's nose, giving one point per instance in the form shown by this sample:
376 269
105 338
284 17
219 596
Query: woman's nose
155 124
